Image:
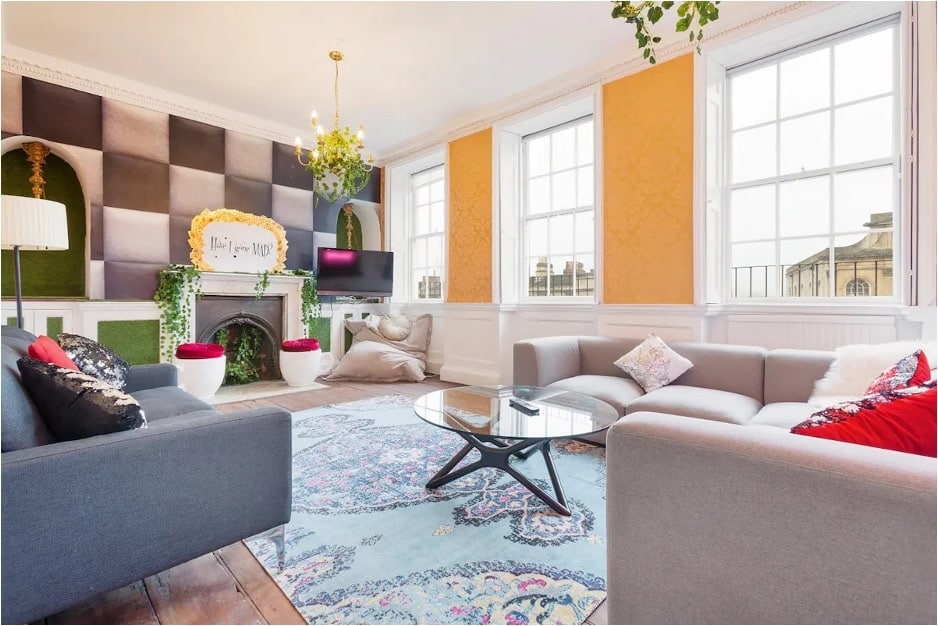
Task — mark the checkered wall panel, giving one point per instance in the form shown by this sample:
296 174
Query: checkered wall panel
147 173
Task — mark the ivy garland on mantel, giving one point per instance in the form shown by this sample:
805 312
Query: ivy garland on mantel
178 282
643 13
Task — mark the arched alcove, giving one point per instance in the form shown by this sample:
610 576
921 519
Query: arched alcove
366 226
56 273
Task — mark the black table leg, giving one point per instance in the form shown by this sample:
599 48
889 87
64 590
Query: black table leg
497 453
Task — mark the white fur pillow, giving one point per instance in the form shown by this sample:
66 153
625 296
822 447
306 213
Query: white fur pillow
855 366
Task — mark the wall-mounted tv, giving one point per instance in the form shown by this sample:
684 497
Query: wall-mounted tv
354 272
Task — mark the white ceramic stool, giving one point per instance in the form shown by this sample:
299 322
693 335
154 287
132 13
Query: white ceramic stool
200 373
301 363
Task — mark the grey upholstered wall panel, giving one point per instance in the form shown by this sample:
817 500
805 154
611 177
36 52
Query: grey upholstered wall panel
12 103
135 131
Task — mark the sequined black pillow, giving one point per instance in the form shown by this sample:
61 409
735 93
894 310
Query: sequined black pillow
94 359
75 405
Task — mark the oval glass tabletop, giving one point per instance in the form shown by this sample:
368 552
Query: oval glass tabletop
485 411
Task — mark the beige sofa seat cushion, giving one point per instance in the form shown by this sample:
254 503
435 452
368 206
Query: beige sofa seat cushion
783 414
710 404
615 390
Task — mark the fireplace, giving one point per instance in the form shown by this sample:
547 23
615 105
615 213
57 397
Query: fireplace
243 324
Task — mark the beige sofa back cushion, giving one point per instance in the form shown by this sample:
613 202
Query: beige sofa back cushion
598 355
739 369
790 375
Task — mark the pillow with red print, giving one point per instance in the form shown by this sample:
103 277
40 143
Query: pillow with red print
910 371
901 420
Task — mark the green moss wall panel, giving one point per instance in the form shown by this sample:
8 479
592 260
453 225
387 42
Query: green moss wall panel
54 326
57 273
138 341
321 331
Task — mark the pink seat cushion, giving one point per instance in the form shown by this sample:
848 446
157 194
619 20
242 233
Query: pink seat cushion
199 351
299 345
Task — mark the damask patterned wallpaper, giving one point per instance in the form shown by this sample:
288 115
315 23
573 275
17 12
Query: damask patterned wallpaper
147 174
648 169
470 218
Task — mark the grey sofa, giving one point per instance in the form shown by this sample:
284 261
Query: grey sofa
717 514
84 517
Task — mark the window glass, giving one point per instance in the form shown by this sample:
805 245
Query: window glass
428 222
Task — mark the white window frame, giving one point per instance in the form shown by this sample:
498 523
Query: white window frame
414 236
512 276
711 228
399 224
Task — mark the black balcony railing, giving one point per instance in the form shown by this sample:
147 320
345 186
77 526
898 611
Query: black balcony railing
581 284
805 280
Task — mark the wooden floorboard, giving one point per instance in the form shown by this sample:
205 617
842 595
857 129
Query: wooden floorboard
257 583
127 605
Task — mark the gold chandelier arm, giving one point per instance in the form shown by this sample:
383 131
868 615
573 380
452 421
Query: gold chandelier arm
336 56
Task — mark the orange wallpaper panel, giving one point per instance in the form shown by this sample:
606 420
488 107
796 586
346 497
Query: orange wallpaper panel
470 219
648 168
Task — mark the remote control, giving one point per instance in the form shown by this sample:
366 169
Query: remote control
524 406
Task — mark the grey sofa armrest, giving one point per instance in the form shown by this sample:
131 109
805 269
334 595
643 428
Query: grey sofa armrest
83 517
152 376
716 523
539 362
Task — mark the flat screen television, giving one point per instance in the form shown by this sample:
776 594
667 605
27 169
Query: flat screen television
354 272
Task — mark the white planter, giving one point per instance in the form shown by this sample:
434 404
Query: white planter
201 377
300 369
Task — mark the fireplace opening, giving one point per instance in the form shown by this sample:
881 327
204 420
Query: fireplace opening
246 328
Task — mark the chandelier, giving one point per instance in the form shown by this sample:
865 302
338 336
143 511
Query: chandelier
336 162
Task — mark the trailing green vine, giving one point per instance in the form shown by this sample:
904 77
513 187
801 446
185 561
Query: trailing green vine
689 13
177 282
263 281
311 308
241 368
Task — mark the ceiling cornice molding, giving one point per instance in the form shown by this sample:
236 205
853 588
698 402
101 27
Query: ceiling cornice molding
66 74
535 100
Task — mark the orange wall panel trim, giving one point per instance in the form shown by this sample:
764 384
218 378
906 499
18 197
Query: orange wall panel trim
469 276
648 200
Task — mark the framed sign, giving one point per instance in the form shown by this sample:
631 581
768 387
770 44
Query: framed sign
226 240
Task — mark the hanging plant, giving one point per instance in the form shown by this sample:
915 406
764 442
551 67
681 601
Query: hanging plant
311 311
241 368
642 13
263 281
177 283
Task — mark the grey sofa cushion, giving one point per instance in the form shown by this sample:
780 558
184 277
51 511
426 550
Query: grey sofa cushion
165 402
598 355
617 391
738 369
22 426
711 404
790 375
783 414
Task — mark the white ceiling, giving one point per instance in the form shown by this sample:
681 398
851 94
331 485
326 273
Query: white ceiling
411 69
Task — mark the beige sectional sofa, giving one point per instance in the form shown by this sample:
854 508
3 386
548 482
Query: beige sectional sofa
716 513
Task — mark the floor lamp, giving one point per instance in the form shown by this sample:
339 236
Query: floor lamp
31 223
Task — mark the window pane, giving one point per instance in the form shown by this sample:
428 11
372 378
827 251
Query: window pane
864 264
753 97
864 197
422 221
805 82
436 191
538 155
561 234
584 186
584 143
585 275
423 195
564 191
436 217
863 67
435 251
585 232
563 152
752 213
537 237
863 131
539 195
537 276
806 267
805 143
804 207
754 154
418 180
752 270
418 253
561 276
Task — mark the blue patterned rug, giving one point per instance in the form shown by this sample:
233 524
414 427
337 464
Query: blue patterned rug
368 544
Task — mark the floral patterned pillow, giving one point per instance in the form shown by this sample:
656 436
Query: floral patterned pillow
652 364
910 371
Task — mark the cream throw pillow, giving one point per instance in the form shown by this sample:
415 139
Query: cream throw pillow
652 364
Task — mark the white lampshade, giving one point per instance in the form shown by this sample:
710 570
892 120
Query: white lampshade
33 224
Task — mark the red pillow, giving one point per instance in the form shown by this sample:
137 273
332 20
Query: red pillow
299 345
898 420
45 349
910 371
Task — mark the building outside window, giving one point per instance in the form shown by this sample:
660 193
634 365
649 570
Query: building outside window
427 233
813 168
558 211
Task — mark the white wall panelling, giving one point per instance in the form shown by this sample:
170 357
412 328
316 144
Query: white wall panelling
471 344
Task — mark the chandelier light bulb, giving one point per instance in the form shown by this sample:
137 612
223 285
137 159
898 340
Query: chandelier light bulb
314 117
298 142
320 130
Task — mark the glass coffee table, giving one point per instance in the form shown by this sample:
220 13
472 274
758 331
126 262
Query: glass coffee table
485 418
